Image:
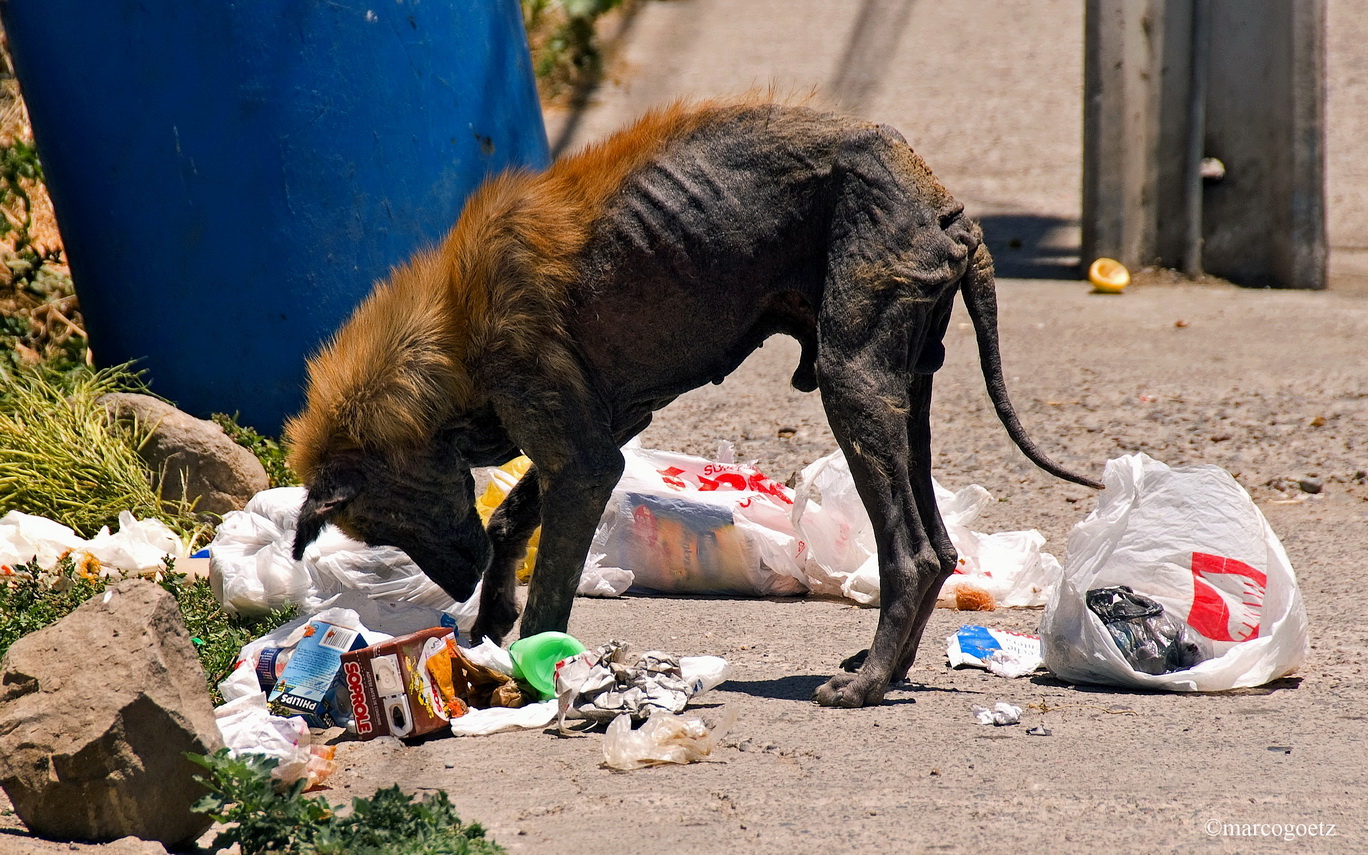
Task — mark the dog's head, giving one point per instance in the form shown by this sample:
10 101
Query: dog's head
422 502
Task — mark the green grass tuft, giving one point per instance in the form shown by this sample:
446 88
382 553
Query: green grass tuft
63 457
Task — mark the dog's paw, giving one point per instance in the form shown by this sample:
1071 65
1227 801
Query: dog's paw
849 690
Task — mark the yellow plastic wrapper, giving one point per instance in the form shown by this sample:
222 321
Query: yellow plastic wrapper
500 483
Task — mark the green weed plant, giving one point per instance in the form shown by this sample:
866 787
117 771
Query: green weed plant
260 818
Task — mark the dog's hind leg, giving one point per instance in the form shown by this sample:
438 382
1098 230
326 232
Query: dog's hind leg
919 442
867 407
510 527
897 249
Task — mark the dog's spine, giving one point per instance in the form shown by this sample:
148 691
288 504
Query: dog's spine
490 297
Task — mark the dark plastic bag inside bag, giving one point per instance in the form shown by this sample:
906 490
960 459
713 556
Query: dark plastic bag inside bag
1152 641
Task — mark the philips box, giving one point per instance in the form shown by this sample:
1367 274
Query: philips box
309 685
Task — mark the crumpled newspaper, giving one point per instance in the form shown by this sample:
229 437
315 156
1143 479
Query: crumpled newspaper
599 685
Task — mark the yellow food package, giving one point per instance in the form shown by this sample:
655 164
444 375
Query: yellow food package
500 483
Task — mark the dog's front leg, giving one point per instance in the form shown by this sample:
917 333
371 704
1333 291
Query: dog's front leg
512 524
573 497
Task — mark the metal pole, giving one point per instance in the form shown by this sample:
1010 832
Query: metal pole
1196 139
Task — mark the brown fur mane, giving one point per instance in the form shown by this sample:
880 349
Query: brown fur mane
491 295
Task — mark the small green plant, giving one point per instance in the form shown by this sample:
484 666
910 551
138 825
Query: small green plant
217 635
262 819
267 450
32 597
566 54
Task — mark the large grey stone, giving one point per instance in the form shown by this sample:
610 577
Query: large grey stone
193 457
96 712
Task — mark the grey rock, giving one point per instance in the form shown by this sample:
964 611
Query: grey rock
193 457
96 712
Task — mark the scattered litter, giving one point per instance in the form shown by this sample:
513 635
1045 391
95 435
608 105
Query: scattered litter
1108 276
1002 713
1004 653
535 657
484 722
418 683
309 684
253 570
601 684
247 726
492 485
675 524
662 738
139 546
1039 730
1000 570
683 524
1190 539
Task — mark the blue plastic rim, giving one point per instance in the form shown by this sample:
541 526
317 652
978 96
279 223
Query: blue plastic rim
231 177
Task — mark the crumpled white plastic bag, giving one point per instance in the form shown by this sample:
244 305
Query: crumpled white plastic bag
248 727
139 546
662 738
1190 538
483 722
840 553
253 571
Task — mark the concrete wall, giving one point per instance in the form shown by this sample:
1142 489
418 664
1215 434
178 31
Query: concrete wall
1263 225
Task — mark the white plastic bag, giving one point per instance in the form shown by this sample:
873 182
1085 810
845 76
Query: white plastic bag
837 537
1191 539
483 722
139 546
248 727
678 523
253 570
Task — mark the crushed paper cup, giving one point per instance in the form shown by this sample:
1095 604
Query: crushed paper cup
1002 713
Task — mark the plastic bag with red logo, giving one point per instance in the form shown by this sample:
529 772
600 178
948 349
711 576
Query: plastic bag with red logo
1191 540
683 524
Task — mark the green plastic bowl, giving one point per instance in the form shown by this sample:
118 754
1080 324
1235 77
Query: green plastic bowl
535 658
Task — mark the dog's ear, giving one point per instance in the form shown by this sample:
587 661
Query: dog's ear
336 485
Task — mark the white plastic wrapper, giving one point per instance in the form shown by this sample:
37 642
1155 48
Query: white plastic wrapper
253 571
662 738
484 722
139 546
1000 652
1191 539
1002 713
248 727
839 555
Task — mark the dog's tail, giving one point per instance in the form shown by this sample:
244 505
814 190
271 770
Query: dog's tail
980 298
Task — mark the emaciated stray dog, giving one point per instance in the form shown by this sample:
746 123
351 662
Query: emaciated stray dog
566 307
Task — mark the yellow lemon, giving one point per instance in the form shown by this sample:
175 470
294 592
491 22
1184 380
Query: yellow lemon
1108 276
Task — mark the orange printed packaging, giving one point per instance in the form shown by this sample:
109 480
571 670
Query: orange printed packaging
403 687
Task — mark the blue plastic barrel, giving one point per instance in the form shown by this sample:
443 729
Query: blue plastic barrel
231 176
